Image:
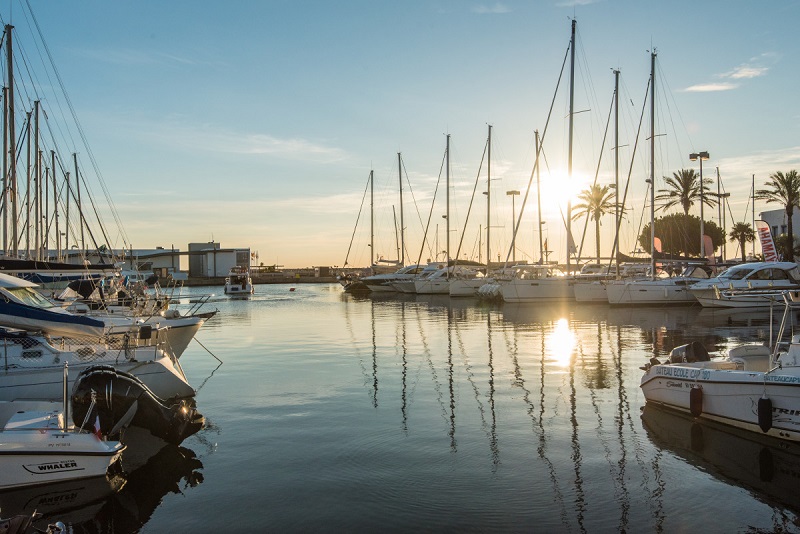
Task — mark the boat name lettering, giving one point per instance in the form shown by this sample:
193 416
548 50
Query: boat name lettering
784 411
782 378
683 372
57 466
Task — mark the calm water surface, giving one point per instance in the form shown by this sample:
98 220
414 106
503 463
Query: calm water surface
337 413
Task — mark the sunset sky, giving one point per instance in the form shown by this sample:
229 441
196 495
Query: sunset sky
256 123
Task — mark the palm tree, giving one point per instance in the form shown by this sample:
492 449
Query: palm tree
595 202
783 189
684 189
743 233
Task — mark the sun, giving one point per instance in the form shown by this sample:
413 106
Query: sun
558 190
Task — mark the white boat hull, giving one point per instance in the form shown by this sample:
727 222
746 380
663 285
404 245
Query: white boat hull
591 292
648 292
466 287
34 449
437 286
537 290
729 396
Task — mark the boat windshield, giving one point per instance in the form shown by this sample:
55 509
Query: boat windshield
29 297
735 274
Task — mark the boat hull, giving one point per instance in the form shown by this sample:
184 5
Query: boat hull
537 290
47 382
729 396
648 293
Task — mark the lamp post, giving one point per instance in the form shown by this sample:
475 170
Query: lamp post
513 193
694 156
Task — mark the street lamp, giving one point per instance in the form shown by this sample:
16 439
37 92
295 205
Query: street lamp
694 157
513 193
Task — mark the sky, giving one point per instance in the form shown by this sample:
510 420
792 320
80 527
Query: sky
255 124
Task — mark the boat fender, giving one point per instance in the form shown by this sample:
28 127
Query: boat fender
696 401
765 414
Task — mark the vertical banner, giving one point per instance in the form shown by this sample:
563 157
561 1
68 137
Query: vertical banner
767 245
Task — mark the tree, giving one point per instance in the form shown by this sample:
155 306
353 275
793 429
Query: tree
783 189
595 202
743 233
684 189
679 234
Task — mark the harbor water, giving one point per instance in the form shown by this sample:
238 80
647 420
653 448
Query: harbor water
332 412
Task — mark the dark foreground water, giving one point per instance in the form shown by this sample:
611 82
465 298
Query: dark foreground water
333 413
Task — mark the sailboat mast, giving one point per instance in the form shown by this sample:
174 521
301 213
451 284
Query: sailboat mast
371 218
37 176
402 223
652 164
754 213
569 164
539 199
80 207
615 250
12 145
55 204
447 216
488 199
28 179
5 171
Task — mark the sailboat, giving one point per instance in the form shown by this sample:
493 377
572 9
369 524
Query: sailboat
438 283
653 291
466 281
545 283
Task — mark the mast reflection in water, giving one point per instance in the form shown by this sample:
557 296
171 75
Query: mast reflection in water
340 412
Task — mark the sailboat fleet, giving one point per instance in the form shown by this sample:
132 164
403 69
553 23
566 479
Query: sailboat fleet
753 387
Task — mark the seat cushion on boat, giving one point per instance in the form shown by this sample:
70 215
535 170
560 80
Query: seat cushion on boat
33 420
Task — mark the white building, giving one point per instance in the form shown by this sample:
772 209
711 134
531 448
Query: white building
778 223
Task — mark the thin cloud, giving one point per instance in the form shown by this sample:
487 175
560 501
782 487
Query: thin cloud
574 3
496 9
711 87
745 72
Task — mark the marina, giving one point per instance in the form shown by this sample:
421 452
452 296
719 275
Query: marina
425 412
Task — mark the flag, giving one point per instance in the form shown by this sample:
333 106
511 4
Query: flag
767 245
97 431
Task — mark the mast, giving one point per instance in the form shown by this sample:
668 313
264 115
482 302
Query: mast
402 254
5 171
539 200
488 200
615 249
12 145
754 213
569 164
28 178
37 176
80 207
652 164
447 216
55 204
371 218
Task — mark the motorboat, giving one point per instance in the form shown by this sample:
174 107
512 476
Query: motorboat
409 285
382 282
239 282
537 283
31 364
660 290
467 283
730 288
23 307
38 445
751 387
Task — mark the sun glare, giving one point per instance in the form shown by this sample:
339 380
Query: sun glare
560 344
558 189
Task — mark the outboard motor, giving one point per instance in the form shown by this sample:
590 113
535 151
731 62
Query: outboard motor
122 400
691 352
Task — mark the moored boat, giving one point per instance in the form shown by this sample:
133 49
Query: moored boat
751 388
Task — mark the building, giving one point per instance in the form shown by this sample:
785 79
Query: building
210 260
778 223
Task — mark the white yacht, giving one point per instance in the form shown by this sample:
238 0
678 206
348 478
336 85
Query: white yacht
538 283
732 287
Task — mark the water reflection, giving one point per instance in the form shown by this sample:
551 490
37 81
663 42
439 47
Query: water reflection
122 501
767 468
